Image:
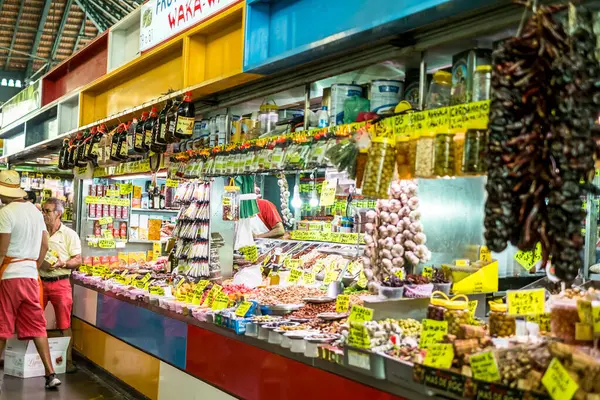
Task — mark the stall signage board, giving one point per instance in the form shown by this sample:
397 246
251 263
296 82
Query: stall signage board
106 200
526 302
485 367
439 355
162 19
432 332
558 382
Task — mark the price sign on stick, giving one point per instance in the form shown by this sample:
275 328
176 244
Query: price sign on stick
342 303
295 275
360 314
524 302
243 308
558 382
485 367
432 332
358 336
439 355
309 278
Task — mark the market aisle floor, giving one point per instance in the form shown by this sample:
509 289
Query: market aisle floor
82 385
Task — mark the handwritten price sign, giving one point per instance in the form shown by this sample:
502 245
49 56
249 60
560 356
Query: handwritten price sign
525 302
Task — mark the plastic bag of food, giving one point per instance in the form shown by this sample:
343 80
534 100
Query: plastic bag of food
230 201
353 106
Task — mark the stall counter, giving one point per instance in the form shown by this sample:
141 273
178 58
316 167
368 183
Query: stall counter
164 355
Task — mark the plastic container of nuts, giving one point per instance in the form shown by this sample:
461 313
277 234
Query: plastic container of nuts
457 313
563 319
501 324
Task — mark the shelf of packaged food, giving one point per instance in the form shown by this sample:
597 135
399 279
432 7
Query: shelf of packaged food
162 240
99 218
154 210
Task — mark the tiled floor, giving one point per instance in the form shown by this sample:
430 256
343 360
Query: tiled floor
82 385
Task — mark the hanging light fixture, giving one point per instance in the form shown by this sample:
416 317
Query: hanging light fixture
314 199
296 200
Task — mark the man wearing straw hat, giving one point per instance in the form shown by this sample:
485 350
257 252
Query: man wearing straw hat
23 246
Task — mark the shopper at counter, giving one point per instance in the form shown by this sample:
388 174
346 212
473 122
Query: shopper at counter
23 246
55 279
269 216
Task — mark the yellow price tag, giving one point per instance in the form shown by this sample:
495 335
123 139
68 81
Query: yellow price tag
400 273
212 294
330 276
596 318
439 355
309 278
462 262
432 332
524 302
485 367
113 193
181 297
558 382
318 267
220 302
105 220
543 320
201 285
362 280
243 308
328 193
528 259
584 309
157 290
107 243
360 314
147 277
156 250
125 188
172 183
342 303
358 336
485 254
295 275
427 272
354 268
473 307
583 331
107 234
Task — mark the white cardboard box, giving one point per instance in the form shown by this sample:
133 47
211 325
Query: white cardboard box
22 360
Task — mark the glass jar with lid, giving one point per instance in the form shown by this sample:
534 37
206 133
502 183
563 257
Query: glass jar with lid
437 306
482 80
474 152
457 313
439 90
444 154
425 152
501 324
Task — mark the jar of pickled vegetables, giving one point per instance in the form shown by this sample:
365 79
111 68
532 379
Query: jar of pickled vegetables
444 154
501 324
457 313
361 163
474 151
459 148
439 90
379 170
412 151
403 165
425 155
482 80
437 306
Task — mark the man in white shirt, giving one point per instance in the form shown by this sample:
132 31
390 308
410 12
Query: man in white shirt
23 246
64 243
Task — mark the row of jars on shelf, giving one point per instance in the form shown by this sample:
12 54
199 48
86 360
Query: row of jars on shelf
427 155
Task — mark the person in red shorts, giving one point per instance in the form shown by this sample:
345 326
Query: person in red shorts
64 244
23 246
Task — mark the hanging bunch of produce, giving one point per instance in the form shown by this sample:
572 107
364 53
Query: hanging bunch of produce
394 235
284 193
541 143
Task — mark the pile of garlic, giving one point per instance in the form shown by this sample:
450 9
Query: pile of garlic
394 235
284 193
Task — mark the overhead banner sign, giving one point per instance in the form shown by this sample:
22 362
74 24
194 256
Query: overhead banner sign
163 19
24 102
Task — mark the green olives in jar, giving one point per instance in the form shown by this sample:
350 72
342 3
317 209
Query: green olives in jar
501 324
380 168
474 152
444 154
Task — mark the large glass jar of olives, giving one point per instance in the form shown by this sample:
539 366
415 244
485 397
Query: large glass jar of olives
501 324
475 144
380 168
444 154
437 306
405 171
457 313
425 155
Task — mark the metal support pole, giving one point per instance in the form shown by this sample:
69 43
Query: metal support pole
306 105
227 125
422 81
